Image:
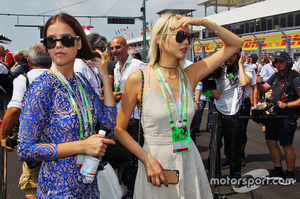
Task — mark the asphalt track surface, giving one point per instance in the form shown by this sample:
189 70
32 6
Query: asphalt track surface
257 157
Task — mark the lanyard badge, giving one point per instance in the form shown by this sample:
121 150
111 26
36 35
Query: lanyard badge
118 80
180 139
81 108
117 89
180 135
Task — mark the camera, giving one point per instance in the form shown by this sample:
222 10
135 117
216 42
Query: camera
209 82
271 108
263 111
12 141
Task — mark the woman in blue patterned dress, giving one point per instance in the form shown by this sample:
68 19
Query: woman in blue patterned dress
61 109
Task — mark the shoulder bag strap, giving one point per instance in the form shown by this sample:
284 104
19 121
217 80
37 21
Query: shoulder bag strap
141 108
27 80
286 88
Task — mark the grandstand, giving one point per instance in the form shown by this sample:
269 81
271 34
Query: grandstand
265 26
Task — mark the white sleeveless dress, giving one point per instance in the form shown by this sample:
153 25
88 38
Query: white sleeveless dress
193 182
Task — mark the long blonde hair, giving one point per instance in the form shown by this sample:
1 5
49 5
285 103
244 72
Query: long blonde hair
160 30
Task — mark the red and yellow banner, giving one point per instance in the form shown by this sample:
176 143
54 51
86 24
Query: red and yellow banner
250 43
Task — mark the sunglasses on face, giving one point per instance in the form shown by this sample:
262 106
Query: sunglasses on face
181 36
66 40
279 61
114 47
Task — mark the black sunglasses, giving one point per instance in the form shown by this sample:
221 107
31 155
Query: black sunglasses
114 47
279 61
181 36
66 40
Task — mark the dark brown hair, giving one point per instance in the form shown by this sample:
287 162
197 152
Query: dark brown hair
85 52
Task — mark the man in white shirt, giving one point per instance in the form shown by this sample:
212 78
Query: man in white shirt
229 97
40 61
124 67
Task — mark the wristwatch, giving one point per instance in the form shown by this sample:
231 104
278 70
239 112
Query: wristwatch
197 102
286 105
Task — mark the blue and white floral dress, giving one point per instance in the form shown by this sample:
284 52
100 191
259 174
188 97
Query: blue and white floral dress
48 114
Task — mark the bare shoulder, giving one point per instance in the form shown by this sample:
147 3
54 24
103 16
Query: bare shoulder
133 82
135 77
192 72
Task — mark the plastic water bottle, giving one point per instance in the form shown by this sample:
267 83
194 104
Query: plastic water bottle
90 165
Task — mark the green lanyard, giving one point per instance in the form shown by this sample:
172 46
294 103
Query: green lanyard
86 111
117 87
182 88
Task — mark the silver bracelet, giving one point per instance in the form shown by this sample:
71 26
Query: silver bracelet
215 29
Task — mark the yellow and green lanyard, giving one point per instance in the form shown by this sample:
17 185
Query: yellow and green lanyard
85 110
117 85
180 133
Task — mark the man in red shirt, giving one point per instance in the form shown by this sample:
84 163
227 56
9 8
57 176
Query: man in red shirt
6 57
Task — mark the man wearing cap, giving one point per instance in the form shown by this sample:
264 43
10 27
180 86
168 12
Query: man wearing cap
285 86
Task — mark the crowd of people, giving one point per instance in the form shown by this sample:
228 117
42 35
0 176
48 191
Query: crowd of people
72 85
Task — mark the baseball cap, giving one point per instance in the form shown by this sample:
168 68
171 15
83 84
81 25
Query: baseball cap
281 56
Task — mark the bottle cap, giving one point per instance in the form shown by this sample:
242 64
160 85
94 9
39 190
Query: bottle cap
102 133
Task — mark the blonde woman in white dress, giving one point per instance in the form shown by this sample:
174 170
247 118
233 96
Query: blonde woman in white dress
168 109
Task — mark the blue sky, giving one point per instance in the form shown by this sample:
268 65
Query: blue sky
24 37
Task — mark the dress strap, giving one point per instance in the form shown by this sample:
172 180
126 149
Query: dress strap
187 78
148 77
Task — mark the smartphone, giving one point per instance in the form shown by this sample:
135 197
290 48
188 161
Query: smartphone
172 176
